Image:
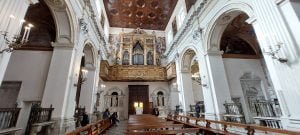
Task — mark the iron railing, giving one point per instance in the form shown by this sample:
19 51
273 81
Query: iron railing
38 115
234 112
8 117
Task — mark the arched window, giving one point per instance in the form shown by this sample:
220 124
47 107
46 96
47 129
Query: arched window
160 99
125 60
138 54
149 58
114 99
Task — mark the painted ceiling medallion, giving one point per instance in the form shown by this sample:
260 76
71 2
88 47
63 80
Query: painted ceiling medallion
145 14
127 12
154 4
127 3
140 3
152 15
139 14
114 12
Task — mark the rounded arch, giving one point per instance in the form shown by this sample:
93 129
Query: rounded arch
90 54
159 89
221 20
186 58
65 21
114 90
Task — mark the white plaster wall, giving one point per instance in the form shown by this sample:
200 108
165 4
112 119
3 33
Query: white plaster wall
197 91
174 94
18 9
30 67
124 87
235 69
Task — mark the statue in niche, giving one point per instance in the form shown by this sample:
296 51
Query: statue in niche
160 45
149 58
160 98
114 99
125 60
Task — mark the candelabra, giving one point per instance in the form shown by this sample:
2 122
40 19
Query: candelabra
15 41
82 76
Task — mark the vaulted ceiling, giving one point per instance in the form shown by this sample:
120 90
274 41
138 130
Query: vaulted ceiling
145 14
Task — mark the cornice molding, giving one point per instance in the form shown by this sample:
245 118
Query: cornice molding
99 30
187 26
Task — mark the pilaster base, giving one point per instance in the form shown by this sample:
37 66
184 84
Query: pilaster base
290 123
63 126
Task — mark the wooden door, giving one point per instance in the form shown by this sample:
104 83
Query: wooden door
138 93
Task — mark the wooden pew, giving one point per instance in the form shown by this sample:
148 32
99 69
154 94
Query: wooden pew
152 125
155 127
164 132
215 129
97 128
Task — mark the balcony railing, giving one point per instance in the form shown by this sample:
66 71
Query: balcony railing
8 117
38 115
267 113
267 109
234 112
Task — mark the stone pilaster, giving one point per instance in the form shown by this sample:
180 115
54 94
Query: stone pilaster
218 82
60 90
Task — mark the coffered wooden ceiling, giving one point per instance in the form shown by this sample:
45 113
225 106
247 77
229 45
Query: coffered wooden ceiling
144 14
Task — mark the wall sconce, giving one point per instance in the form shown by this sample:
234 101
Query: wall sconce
274 53
15 41
82 76
101 89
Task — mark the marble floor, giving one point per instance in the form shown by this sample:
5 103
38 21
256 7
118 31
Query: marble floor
120 129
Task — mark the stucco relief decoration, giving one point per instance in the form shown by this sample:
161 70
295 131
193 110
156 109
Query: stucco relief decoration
83 26
161 44
114 47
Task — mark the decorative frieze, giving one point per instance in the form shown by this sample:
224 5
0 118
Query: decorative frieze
132 72
192 17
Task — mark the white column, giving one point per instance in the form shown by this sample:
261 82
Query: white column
60 90
272 27
174 95
218 82
18 9
88 91
183 94
187 88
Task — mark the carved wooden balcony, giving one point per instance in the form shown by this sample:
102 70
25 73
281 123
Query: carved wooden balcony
134 72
